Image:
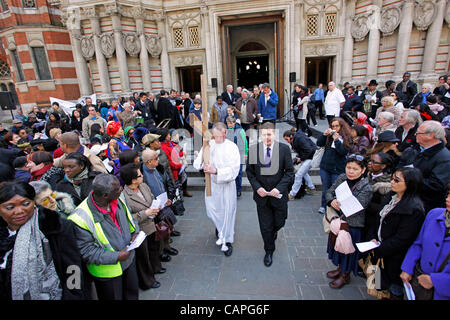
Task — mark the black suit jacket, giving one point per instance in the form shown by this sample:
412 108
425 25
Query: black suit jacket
279 175
226 98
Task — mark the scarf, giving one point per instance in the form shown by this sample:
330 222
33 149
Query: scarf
78 180
343 242
37 175
385 211
33 274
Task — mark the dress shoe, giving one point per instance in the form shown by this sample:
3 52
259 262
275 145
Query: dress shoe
229 251
342 280
171 251
333 274
165 257
175 233
163 270
155 285
268 259
187 194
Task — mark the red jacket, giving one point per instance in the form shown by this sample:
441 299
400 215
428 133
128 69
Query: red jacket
173 154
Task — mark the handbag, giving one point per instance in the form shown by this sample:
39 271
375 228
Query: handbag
163 229
329 215
420 292
317 158
370 270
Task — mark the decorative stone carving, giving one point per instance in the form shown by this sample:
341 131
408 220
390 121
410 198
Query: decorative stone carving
107 45
87 47
137 12
89 12
112 9
390 20
447 15
188 60
132 44
153 46
360 27
321 50
424 14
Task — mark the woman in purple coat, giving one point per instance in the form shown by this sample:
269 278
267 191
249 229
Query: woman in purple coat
431 248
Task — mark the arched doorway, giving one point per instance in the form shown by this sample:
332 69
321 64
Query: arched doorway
252 65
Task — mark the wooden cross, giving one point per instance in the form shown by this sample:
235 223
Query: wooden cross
205 132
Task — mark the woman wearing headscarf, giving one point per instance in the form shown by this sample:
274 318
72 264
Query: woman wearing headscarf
38 249
129 137
114 129
78 177
399 223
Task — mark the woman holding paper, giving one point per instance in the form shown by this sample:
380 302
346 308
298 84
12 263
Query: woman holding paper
398 226
345 256
139 199
429 252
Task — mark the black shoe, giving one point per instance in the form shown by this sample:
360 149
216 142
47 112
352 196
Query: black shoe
268 259
155 285
217 234
171 251
239 194
163 270
229 251
165 257
175 233
178 213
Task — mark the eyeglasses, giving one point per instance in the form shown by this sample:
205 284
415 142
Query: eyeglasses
417 133
46 200
356 156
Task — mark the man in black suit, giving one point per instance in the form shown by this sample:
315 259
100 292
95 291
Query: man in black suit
229 96
271 174
143 107
406 89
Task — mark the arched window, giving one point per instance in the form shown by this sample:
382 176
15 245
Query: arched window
252 46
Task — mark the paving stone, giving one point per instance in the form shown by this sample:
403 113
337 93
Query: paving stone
310 292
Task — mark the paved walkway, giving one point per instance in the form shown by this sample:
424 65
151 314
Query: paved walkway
201 271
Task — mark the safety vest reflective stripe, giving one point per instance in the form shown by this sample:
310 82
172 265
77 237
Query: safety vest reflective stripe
84 219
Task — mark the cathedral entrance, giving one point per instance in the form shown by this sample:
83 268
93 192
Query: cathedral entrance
253 52
318 70
190 79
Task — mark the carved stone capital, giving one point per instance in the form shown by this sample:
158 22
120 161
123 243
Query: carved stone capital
360 27
390 20
107 45
137 12
153 44
89 12
87 47
424 14
112 9
132 44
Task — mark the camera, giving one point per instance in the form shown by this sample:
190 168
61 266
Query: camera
332 132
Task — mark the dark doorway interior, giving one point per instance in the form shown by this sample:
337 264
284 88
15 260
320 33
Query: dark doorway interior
252 70
190 79
318 70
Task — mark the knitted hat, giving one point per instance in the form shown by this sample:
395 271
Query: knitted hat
127 129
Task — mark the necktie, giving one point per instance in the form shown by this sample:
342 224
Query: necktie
268 158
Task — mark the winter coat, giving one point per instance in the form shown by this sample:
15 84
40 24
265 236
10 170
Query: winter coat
173 155
431 248
138 206
399 229
362 191
303 145
268 110
86 187
410 139
22 175
333 159
360 146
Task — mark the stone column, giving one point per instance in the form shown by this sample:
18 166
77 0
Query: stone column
432 41
121 54
347 56
100 58
404 36
374 41
81 67
143 56
165 64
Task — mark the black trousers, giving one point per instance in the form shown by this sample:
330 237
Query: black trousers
271 219
124 287
311 116
319 105
147 262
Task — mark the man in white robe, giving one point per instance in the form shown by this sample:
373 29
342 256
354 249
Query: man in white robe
224 168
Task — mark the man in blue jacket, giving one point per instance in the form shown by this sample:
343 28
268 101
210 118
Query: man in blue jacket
267 104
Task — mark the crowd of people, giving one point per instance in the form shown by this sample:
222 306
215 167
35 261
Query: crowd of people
390 149
76 189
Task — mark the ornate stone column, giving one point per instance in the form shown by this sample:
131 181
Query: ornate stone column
404 37
165 64
120 50
99 56
374 40
139 15
424 10
72 21
347 57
